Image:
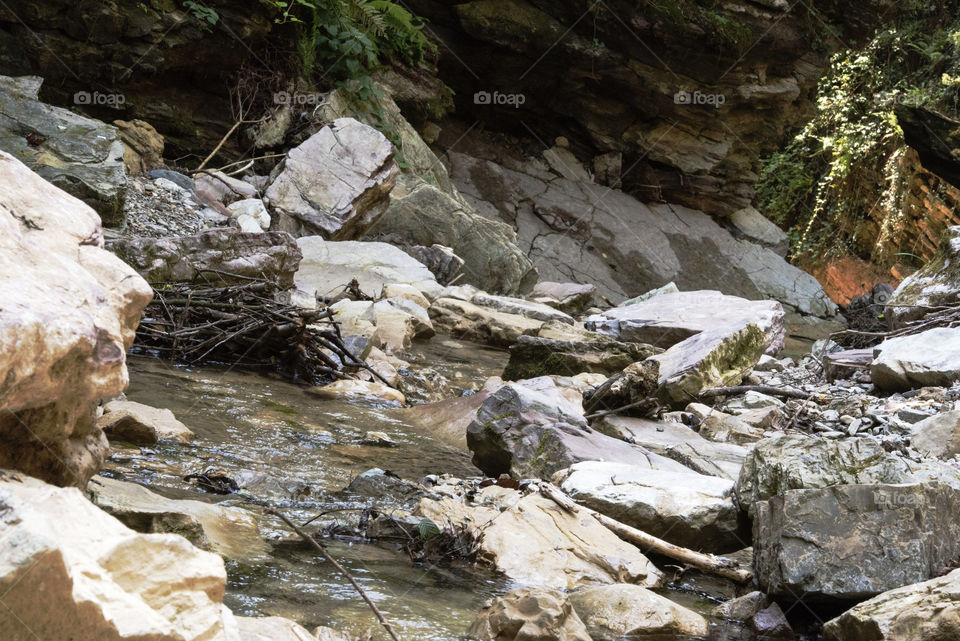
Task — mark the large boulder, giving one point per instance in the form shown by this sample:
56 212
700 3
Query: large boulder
526 614
535 428
423 214
854 541
711 340
336 183
687 509
220 253
930 358
82 156
229 531
329 266
615 612
70 571
572 298
532 541
936 283
793 462
927 611
68 315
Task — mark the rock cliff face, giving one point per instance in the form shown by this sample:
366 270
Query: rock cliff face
68 313
677 98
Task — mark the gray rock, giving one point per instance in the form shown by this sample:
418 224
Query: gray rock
936 283
770 623
742 608
463 319
534 428
789 462
572 298
141 424
930 358
82 156
754 226
423 214
711 340
521 307
328 266
533 356
440 260
619 611
336 183
271 255
625 247
854 541
925 611
687 509
938 435
678 442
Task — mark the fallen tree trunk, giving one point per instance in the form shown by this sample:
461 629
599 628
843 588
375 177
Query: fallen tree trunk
704 562
762 389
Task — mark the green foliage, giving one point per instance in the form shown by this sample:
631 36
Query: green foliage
720 27
347 39
203 14
838 168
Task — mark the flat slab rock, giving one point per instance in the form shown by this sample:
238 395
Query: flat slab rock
614 612
684 508
927 359
141 424
678 442
924 611
531 540
328 266
854 541
229 531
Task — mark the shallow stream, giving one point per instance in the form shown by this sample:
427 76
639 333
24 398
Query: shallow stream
297 451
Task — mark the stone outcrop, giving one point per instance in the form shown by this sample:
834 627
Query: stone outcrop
930 358
336 183
854 541
82 156
577 231
69 570
687 509
222 251
524 614
69 314
678 442
142 146
422 214
920 612
614 612
532 356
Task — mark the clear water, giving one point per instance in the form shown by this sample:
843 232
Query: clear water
296 451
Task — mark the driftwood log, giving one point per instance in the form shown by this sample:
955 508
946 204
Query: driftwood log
704 562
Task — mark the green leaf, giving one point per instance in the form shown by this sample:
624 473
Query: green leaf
428 529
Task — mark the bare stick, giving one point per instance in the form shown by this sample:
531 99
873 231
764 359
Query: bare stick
619 409
323 551
705 562
763 389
